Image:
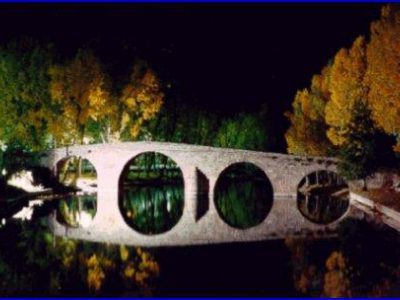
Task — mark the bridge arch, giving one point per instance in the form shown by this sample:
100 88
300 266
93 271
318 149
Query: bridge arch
243 195
323 197
151 193
79 207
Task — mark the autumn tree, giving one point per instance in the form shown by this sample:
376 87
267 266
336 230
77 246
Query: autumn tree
346 88
138 102
383 75
79 88
24 96
307 132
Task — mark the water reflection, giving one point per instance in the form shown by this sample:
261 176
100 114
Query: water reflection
77 210
153 209
151 195
243 195
323 197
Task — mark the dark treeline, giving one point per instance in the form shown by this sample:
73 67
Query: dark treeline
187 123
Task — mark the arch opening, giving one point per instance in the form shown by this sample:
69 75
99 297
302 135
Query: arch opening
151 193
78 185
323 197
243 195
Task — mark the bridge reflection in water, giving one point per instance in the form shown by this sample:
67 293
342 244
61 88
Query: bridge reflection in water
203 204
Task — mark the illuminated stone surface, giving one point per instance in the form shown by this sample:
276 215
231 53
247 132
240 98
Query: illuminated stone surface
284 171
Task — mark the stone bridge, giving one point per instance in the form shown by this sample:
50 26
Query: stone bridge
284 172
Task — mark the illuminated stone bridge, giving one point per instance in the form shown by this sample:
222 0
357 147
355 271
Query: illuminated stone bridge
285 172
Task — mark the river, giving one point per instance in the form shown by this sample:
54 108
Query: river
362 260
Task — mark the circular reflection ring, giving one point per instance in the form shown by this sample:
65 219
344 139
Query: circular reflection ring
243 195
151 193
323 197
80 209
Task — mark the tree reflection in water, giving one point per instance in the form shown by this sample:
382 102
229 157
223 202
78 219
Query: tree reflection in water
153 209
243 195
151 194
77 210
323 197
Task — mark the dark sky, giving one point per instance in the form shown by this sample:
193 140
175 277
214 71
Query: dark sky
223 57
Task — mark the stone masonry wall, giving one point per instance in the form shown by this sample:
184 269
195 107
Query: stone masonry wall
284 171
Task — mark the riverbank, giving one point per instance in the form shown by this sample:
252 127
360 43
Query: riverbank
377 206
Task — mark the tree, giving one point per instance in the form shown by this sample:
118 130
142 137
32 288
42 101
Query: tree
137 103
383 75
307 132
24 96
359 157
346 87
244 132
79 88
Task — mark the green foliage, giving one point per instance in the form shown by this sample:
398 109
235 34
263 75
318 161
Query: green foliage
359 153
14 158
182 123
36 263
31 117
243 132
24 96
243 195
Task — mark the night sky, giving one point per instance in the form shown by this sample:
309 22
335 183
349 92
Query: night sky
223 58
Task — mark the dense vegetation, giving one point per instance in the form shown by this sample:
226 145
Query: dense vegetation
352 108
49 101
60 266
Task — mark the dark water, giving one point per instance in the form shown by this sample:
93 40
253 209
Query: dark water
33 262
363 260
241 269
152 209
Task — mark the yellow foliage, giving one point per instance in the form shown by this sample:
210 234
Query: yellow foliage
336 282
129 271
96 271
303 283
146 268
140 100
346 87
383 76
95 275
124 252
79 87
306 135
396 148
